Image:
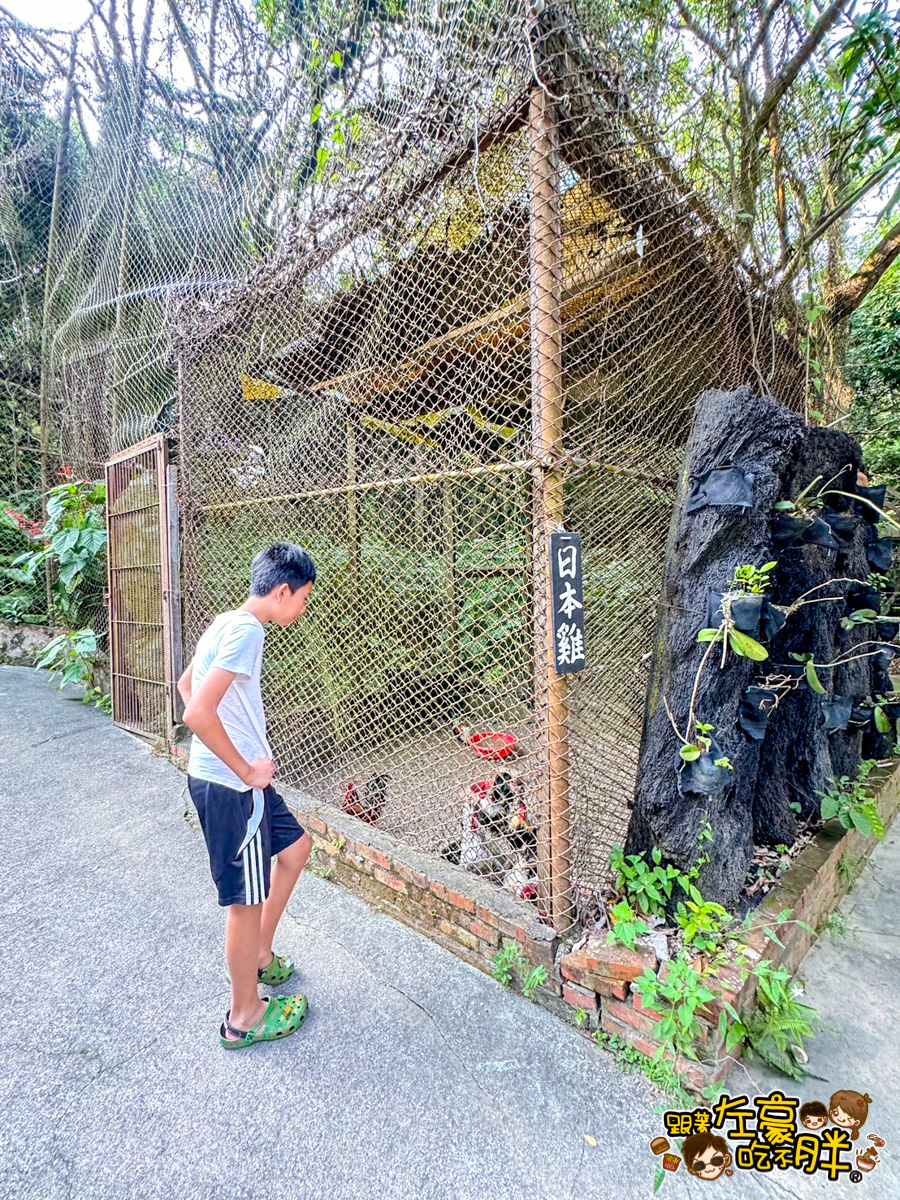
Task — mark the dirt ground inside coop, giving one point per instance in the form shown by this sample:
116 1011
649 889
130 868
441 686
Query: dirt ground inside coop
428 772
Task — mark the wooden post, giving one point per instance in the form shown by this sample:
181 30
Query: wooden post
547 444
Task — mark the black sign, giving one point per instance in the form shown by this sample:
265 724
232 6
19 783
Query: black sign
567 591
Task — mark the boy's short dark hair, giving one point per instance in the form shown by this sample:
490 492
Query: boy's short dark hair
814 1108
282 563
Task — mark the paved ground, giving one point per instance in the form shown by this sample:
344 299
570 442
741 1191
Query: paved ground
415 1076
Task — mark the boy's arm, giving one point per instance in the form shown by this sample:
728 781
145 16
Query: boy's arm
186 683
201 715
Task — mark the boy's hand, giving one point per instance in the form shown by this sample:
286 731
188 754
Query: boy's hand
260 772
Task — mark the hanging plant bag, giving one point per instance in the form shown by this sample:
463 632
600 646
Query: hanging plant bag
876 496
701 777
861 717
818 533
757 705
884 656
837 712
892 710
842 525
880 553
746 612
721 487
885 631
793 670
773 619
786 529
866 597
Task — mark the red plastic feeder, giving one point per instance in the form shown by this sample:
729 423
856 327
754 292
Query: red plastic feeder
492 745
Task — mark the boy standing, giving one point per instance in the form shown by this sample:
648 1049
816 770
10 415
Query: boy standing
245 822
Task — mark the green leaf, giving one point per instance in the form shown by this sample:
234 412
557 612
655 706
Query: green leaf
882 721
689 753
746 646
812 678
861 821
709 635
829 807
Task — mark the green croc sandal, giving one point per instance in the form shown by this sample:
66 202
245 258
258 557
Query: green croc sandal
283 1016
279 970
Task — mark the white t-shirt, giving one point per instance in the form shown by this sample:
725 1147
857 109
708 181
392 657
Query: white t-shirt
233 642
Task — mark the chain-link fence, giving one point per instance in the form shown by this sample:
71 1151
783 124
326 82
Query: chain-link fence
413 288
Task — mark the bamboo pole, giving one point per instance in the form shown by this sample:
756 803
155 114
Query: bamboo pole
353 518
62 154
450 560
547 401
399 481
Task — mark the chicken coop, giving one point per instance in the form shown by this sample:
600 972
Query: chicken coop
477 311
497 330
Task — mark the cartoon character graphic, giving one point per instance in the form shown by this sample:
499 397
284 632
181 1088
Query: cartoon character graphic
849 1110
814 1115
706 1155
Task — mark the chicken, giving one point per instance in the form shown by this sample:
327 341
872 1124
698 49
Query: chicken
370 806
521 832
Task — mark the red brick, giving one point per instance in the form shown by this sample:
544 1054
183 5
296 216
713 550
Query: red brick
624 1012
647 1012
606 987
460 935
391 880
417 878
485 932
599 961
486 916
509 929
438 889
458 900
580 997
316 823
376 856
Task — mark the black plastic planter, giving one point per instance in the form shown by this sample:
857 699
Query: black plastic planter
719 488
757 705
876 495
861 717
746 612
842 525
884 656
791 670
701 777
880 553
773 619
818 533
786 529
886 631
892 710
837 712
864 598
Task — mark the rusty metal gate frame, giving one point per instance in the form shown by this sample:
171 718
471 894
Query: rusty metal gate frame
124 685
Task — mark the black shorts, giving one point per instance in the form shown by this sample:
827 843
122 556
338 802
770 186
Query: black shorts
242 875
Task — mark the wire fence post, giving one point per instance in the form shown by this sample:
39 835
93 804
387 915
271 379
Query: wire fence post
547 446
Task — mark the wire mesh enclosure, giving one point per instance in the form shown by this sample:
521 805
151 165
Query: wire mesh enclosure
511 344
415 292
140 624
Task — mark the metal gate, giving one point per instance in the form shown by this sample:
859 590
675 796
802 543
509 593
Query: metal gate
144 625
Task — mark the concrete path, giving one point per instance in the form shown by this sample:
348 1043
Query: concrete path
415 1076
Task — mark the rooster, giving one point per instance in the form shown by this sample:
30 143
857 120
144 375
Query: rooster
370 806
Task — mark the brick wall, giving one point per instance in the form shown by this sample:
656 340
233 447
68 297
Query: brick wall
473 919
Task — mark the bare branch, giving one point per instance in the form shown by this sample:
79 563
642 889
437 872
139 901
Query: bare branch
786 76
848 297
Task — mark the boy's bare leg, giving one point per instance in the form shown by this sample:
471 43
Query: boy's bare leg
285 873
242 954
